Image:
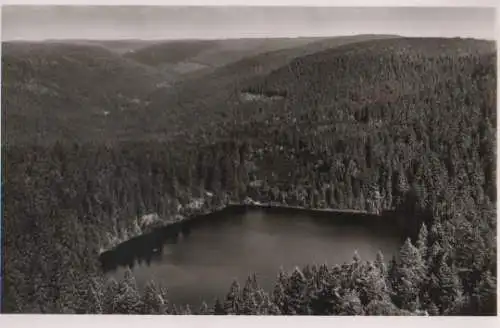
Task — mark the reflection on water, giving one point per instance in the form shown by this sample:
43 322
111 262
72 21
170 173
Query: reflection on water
223 247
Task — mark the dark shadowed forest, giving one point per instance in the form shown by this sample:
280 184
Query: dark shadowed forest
97 139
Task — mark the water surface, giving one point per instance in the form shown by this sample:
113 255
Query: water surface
228 246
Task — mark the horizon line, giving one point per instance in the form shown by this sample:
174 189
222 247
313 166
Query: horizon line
242 38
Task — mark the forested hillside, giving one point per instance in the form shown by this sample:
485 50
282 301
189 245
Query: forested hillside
64 91
184 56
117 46
50 87
406 125
214 95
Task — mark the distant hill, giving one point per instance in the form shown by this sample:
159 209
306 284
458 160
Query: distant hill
117 46
358 72
377 72
86 92
185 56
56 88
170 52
346 94
217 91
77 92
359 93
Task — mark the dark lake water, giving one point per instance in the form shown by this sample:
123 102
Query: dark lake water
227 246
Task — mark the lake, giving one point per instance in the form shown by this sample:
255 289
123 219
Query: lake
233 244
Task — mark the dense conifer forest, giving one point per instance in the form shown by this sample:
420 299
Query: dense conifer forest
402 124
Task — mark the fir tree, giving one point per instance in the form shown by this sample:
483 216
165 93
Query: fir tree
232 303
204 310
95 299
153 300
219 308
267 306
484 296
127 299
248 299
422 241
111 290
279 297
349 304
174 310
380 264
408 276
297 301
372 285
187 310
381 308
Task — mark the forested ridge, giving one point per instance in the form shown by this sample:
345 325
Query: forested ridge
211 53
406 125
84 92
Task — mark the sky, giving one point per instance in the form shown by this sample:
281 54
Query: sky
147 22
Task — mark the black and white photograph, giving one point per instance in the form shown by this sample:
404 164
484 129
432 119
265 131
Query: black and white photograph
249 160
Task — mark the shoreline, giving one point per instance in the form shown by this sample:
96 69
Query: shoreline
148 245
251 205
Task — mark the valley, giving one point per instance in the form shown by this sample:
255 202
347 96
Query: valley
99 135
